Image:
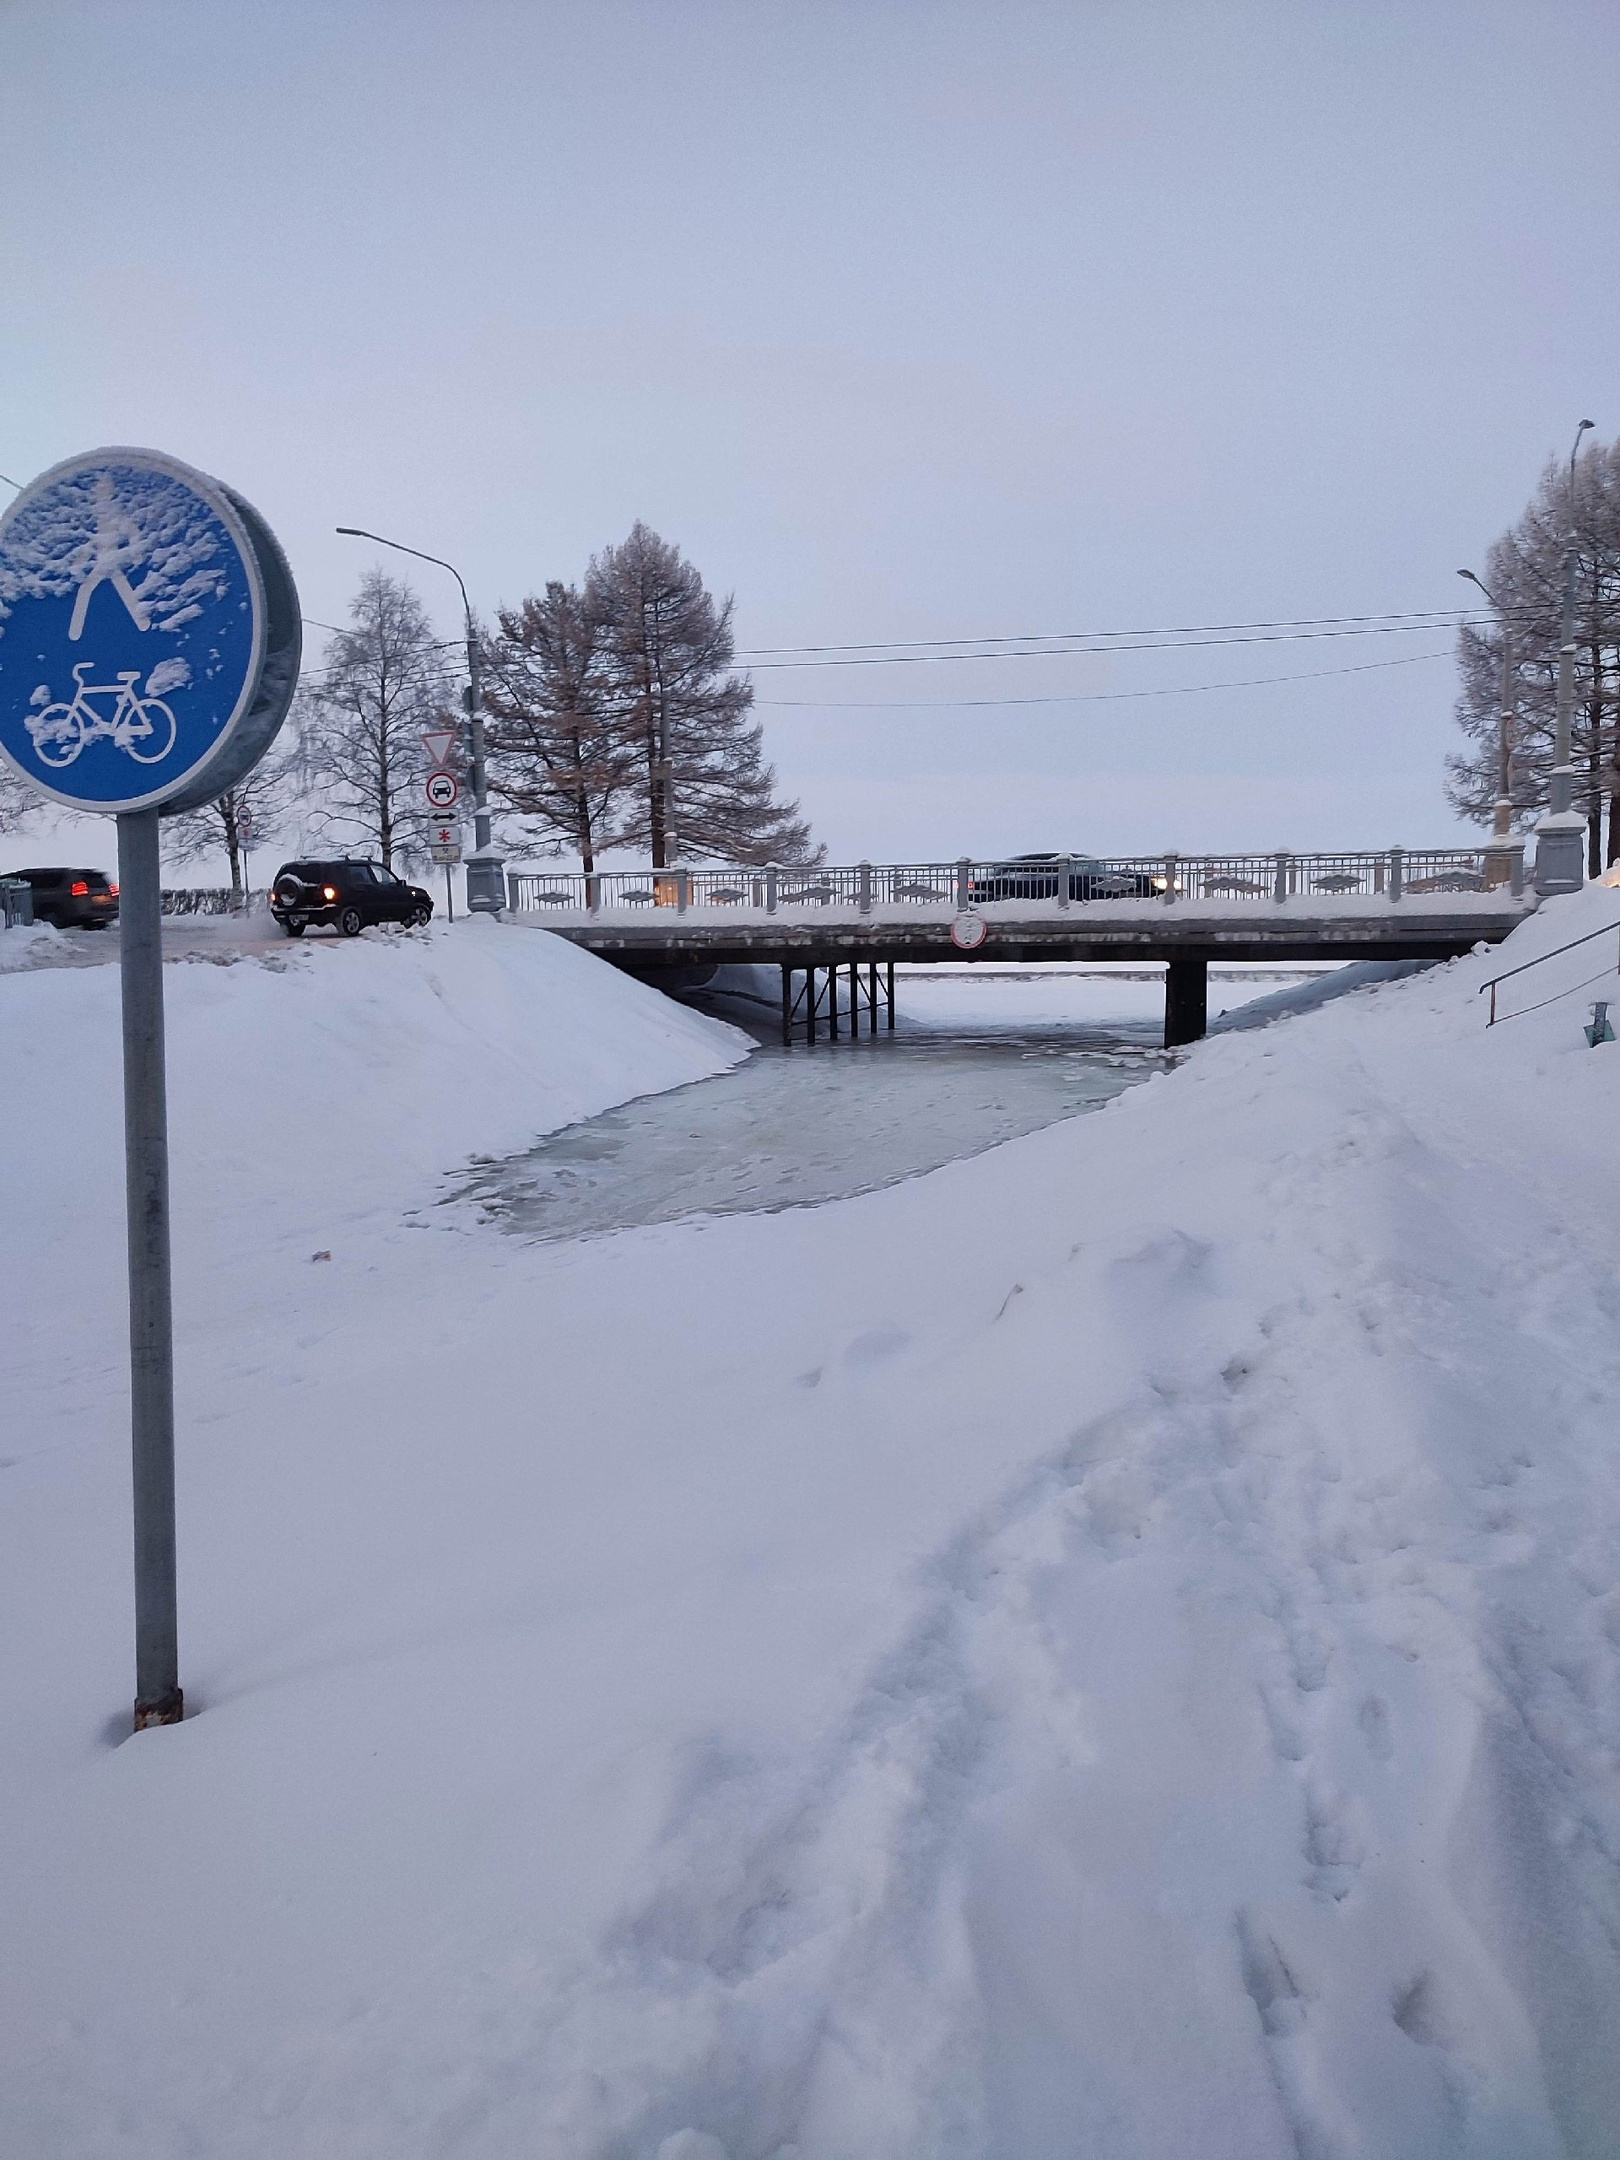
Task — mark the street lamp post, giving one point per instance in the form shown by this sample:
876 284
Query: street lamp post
1501 864
1561 834
486 885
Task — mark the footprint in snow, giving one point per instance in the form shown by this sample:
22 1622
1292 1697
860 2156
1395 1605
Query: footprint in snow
1373 1718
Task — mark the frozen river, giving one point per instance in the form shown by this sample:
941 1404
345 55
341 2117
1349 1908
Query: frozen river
975 1060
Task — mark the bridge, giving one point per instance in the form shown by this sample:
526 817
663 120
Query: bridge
820 925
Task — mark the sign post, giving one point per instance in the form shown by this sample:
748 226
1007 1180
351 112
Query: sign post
158 1697
247 831
446 849
149 648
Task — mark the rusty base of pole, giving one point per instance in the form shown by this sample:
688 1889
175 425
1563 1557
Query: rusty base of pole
167 1710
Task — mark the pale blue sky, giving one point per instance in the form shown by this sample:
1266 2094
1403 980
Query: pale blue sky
903 320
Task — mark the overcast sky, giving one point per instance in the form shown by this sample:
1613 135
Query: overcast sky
902 320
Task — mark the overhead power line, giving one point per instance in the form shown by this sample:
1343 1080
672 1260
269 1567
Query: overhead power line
1348 625
1187 642
1084 697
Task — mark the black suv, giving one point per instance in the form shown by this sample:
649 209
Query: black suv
72 899
348 895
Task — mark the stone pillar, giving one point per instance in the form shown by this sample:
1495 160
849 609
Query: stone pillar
1560 852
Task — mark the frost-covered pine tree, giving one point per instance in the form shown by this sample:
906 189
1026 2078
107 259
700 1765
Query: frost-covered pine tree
360 722
702 785
1524 571
559 749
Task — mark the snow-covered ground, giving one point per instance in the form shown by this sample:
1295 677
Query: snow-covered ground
1110 1649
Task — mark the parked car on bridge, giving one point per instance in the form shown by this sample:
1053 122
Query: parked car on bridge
71 899
347 895
1036 877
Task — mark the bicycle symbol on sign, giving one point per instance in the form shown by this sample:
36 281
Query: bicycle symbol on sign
144 727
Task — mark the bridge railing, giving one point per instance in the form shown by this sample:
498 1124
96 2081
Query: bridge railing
211 900
1061 882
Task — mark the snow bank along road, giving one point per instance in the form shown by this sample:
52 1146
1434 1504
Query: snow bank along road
1110 1649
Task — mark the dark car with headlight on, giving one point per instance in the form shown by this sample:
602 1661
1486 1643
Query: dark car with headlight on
347 896
1037 877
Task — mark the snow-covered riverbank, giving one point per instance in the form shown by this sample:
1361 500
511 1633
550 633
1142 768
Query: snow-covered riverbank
1112 1648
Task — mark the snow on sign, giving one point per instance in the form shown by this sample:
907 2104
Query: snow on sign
149 634
442 789
968 931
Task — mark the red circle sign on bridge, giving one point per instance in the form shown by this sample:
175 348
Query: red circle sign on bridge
968 931
442 790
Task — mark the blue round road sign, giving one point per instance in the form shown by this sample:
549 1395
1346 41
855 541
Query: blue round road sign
149 634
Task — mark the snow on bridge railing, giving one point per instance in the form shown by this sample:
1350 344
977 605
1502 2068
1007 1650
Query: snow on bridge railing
211 900
1061 881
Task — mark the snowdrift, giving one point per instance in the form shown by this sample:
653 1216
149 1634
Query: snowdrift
313 1085
1111 1649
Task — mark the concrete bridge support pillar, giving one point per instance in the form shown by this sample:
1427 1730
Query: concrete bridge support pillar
1186 1001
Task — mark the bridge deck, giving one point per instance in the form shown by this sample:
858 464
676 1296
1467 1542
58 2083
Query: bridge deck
817 921
1321 926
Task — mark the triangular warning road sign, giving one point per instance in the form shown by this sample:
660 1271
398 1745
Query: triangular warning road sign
439 742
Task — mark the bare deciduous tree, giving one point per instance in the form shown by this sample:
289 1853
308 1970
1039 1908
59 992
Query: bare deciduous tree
559 751
242 819
17 798
1524 572
361 719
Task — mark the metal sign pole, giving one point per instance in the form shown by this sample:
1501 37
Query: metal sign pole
158 1699
182 662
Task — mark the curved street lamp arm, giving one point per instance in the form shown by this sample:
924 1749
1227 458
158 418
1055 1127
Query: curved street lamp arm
1484 588
358 532
1575 450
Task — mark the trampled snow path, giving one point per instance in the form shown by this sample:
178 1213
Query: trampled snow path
1110 1650
1265 1673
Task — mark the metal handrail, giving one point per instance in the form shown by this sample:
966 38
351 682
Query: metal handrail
1390 875
1524 966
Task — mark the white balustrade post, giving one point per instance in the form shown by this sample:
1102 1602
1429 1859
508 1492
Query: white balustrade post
865 899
